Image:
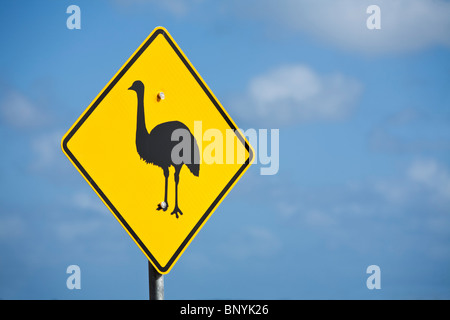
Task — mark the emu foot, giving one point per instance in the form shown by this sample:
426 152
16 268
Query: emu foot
177 211
162 206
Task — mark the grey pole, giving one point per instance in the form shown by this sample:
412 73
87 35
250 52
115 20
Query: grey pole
156 283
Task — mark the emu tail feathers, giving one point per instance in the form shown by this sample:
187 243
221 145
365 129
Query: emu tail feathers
194 168
194 165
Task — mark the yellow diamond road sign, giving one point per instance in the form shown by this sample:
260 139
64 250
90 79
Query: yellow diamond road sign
159 149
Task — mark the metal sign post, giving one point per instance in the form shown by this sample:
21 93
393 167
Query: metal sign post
156 283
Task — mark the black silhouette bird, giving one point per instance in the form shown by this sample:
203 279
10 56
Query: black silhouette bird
156 147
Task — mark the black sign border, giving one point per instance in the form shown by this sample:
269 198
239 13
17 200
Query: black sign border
156 33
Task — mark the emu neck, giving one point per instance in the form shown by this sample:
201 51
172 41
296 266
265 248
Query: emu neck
141 129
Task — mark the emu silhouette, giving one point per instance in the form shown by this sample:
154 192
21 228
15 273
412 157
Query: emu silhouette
156 147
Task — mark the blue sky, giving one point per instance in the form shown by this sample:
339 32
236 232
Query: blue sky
364 173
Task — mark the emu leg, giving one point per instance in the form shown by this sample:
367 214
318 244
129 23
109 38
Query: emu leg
164 205
177 210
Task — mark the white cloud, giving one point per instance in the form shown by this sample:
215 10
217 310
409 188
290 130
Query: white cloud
18 111
425 181
89 202
406 25
412 131
254 241
296 93
397 212
316 218
175 7
392 191
431 175
47 150
286 208
11 227
73 230
48 161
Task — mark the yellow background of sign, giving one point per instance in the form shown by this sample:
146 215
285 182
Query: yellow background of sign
105 146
